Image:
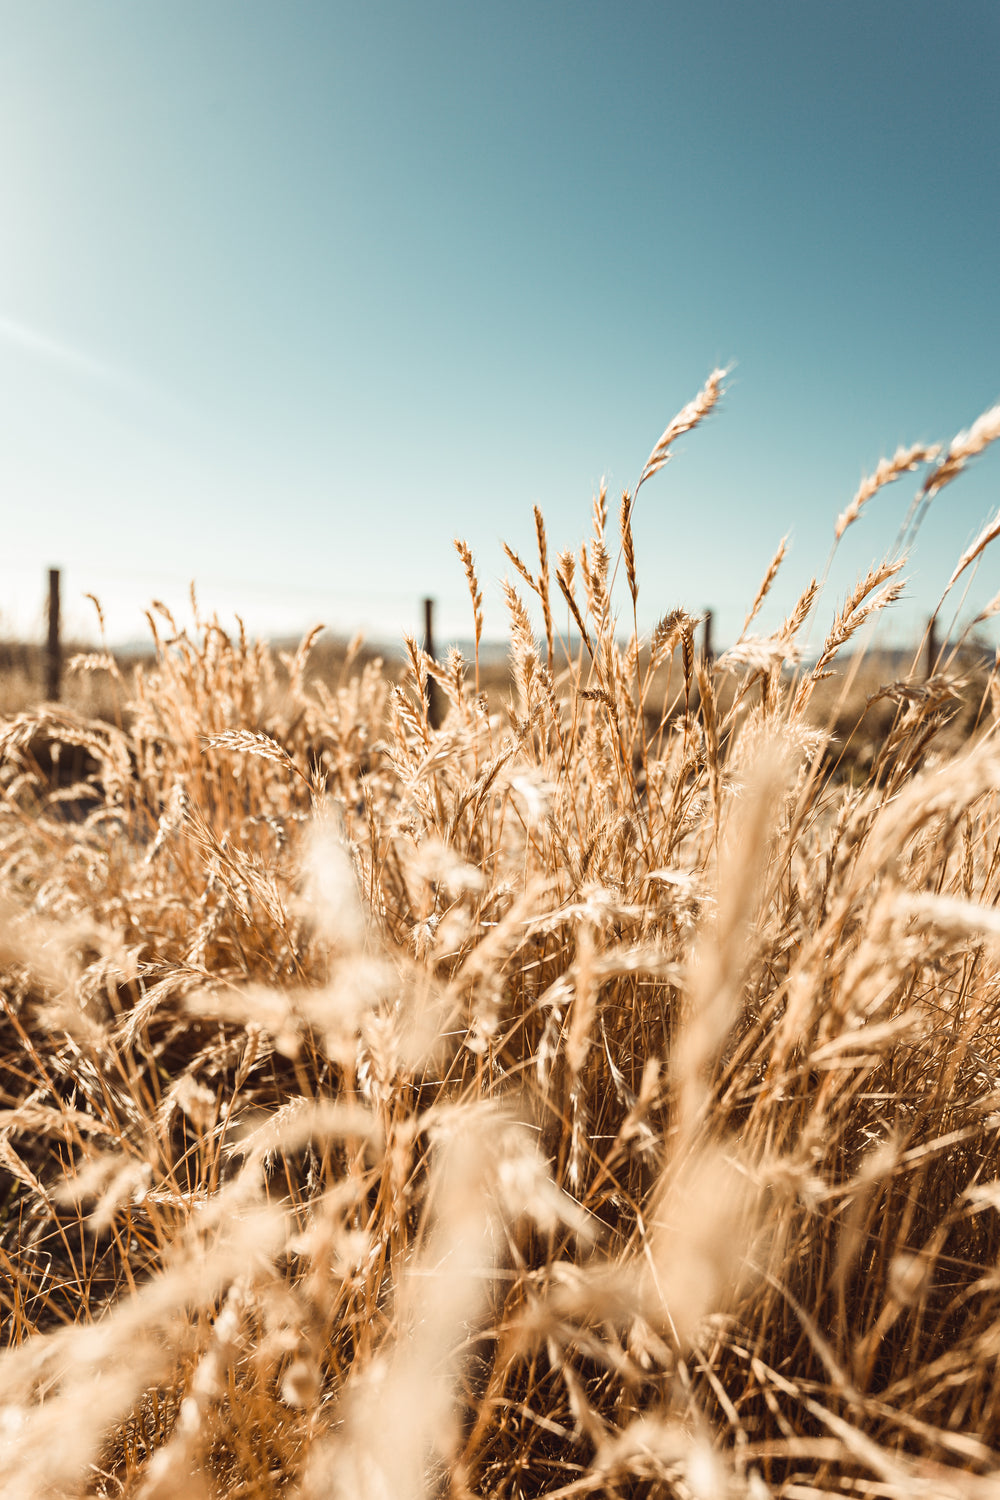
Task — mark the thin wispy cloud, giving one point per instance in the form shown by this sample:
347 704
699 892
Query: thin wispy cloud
67 360
55 351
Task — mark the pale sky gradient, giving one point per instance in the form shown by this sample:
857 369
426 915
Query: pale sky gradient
292 293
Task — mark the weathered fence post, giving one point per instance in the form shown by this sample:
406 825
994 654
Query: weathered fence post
932 646
709 654
433 694
53 653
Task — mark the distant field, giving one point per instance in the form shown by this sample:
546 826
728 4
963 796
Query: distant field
851 702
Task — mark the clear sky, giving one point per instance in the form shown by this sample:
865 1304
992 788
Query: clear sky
291 293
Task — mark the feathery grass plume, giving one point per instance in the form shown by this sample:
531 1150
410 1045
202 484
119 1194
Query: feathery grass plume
687 662
703 1217
666 634
521 566
419 673
599 600
903 461
475 593
601 695
93 661
477 791
541 584
631 669
801 610
588 579
768 580
963 446
991 608
600 512
544 584
449 676
686 419
99 611
244 742
988 534
722 954
160 608
628 545
332 894
297 663
564 577
760 653
351 653
170 820
523 650
553 704
849 620
856 611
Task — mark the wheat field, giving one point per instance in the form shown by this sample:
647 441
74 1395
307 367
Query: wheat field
591 1093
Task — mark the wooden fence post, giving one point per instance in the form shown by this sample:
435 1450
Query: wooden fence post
434 713
932 646
709 655
53 653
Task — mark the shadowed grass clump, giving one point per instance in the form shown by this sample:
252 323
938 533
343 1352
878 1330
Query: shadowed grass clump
598 1096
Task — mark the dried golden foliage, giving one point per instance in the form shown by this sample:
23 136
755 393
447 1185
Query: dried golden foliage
593 1094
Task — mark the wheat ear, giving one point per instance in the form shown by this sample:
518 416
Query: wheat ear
903 461
465 553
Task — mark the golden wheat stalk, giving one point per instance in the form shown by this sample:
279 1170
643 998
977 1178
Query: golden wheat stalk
543 586
903 461
767 581
988 534
465 553
686 419
246 742
859 606
965 445
564 577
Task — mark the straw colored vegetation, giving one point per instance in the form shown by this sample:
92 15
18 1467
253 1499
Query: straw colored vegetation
594 1096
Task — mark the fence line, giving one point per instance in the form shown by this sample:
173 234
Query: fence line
933 646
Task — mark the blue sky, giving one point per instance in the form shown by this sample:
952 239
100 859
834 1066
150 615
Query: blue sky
293 293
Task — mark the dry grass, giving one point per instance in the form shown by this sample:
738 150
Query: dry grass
594 1097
